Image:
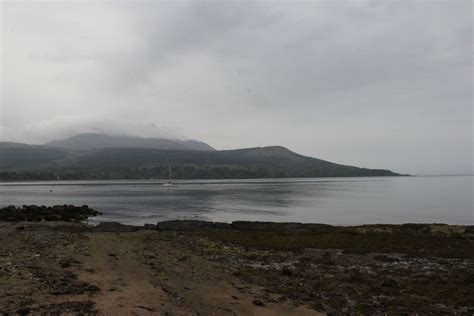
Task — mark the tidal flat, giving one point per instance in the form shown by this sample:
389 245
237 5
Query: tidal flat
194 267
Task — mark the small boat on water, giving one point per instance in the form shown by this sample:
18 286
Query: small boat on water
169 183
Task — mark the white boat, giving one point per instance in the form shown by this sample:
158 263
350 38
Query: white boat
169 183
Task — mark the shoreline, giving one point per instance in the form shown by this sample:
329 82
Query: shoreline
241 268
164 180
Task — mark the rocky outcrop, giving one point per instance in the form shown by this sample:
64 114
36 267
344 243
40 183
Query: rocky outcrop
268 226
114 227
35 213
279 227
184 225
148 227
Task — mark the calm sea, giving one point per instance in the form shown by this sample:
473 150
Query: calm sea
340 201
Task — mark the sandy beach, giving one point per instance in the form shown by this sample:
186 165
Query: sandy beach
187 267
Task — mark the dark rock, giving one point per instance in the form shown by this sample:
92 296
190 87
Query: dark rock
355 276
184 225
286 272
390 283
149 226
270 226
67 262
222 225
319 307
469 279
35 213
114 227
258 302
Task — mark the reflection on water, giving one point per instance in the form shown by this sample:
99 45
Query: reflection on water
343 201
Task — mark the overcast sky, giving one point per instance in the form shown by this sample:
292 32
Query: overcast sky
379 84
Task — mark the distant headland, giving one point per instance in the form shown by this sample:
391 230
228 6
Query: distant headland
100 156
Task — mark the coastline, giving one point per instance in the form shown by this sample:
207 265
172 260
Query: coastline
154 181
240 268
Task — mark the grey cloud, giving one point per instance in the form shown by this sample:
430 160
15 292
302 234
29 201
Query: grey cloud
379 84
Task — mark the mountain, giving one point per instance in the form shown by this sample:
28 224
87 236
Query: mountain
20 156
97 141
273 161
27 162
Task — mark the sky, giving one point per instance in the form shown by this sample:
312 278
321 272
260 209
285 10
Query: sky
377 84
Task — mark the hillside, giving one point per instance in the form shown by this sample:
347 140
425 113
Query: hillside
25 162
15 156
97 141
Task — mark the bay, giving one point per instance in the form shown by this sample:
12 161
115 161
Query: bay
337 201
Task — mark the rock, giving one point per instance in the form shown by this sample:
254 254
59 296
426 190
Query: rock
258 302
67 262
286 272
149 227
270 226
390 283
222 225
35 213
288 228
469 279
183 225
114 227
